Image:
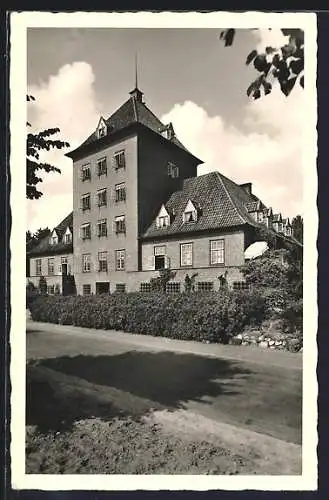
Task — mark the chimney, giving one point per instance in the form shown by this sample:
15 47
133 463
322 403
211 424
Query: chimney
247 187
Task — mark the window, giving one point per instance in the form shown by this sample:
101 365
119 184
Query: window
86 263
216 252
120 224
102 167
260 216
173 170
186 254
280 227
120 287
51 289
51 266
102 198
64 268
85 231
163 221
205 286
120 192
102 261
102 287
160 257
85 202
120 257
102 228
173 287
86 289
145 287
240 285
67 238
190 216
119 160
85 173
288 231
38 267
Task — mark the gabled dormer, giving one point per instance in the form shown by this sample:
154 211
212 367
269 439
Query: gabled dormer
190 213
53 240
67 236
168 131
287 228
277 223
101 130
163 218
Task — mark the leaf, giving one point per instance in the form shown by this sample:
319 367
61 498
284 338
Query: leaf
260 63
228 36
256 94
270 50
251 56
301 81
251 88
296 66
287 85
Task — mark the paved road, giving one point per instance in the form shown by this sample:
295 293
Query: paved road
247 387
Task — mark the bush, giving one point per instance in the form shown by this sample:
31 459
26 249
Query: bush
213 316
31 294
292 317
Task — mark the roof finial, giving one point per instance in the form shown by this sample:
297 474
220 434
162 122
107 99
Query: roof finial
136 93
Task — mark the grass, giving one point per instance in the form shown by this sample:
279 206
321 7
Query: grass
89 404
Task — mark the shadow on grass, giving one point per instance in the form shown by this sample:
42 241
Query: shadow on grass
154 379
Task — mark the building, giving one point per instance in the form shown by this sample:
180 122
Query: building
139 207
52 258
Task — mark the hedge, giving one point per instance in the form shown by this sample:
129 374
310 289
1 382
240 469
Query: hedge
213 316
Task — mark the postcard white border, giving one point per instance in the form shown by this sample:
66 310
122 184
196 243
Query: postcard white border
19 22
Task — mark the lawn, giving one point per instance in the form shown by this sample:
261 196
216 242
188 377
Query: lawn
97 407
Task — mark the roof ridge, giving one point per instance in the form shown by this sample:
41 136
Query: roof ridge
218 175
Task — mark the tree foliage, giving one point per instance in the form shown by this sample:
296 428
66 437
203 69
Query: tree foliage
282 64
33 239
297 226
35 144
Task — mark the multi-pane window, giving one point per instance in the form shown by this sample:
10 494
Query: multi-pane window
101 130
119 160
102 167
86 289
186 254
120 224
280 227
173 287
102 228
68 238
54 239
205 286
240 285
85 201
51 261
120 258
102 261
38 267
159 257
216 252
120 287
85 231
85 173
145 287
163 221
120 192
102 287
86 263
51 289
190 216
260 216
288 231
64 268
173 170
102 197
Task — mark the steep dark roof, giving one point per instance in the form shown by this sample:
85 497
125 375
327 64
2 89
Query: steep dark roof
45 248
222 204
133 111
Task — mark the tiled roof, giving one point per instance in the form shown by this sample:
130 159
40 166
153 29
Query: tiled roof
277 217
45 248
133 111
222 204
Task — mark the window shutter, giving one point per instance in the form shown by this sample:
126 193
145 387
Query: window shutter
113 162
153 262
167 262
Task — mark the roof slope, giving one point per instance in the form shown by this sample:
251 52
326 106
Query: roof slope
221 201
131 112
45 248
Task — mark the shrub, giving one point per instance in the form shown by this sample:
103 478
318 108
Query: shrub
213 316
43 285
31 294
292 317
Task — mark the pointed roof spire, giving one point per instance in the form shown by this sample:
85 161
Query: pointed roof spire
136 93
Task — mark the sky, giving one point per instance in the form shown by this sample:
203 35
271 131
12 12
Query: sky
188 77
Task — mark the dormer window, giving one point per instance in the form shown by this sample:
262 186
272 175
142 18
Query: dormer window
173 170
190 213
163 218
260 216
54 238
101 129
67 236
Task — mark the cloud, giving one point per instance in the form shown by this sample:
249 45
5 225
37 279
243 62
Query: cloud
266 149
66 100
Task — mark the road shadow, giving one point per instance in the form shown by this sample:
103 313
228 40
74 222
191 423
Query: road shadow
154 379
